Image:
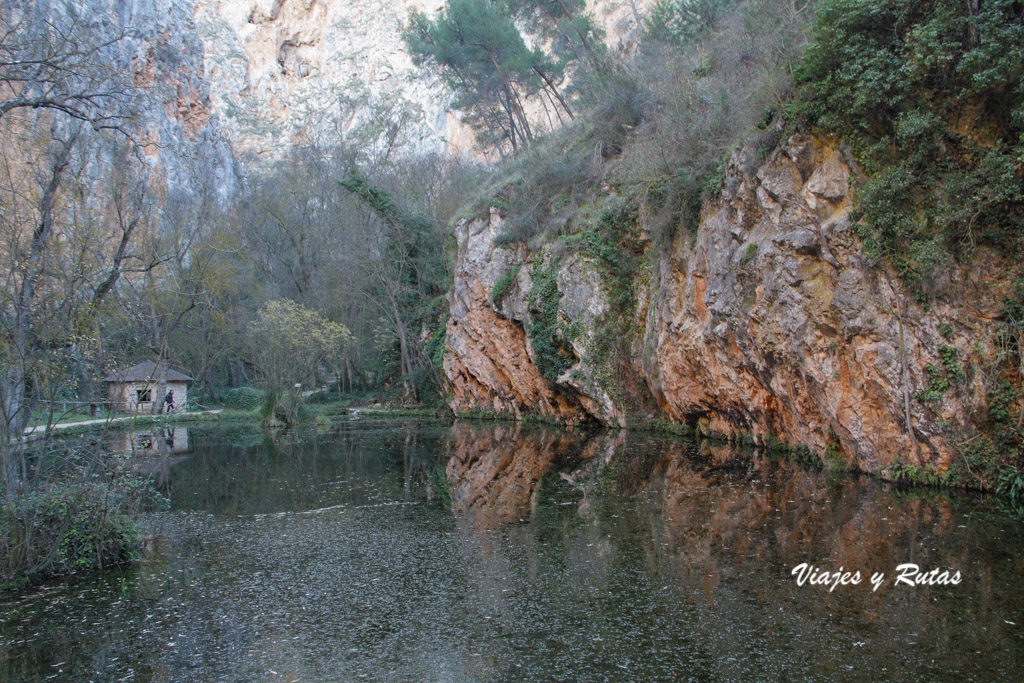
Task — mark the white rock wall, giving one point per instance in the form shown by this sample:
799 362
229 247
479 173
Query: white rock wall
293 71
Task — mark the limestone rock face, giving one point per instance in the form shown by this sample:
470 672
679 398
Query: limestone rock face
154 45
769 322
490 359
773 323
185 141
295 71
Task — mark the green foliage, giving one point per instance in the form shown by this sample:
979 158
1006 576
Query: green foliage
384 204
410 287
931 97
941 379
243 398
541 191
1010 334
437 479
484 59
1002 397
776 449
325 397
504 283
549 337
681 22
834 458
749 252
993 458
951 362
924 475
481 414
612 240
282 409
436 344
537 419
293 340
662 426
267 407
1010 483
82 521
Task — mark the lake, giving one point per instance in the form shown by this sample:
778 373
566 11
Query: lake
410 551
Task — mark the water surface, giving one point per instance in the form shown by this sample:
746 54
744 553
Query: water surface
404 551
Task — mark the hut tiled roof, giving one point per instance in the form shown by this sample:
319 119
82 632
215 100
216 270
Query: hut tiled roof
146 372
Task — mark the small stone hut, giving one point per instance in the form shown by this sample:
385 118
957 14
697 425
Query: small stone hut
138 389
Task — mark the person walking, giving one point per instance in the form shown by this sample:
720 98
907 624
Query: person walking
169 401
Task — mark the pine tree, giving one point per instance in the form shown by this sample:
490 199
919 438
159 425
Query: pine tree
484 59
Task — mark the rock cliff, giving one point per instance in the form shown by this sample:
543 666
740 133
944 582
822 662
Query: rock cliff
182 132
768 321
296 71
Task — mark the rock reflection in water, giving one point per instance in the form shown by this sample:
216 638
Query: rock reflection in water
723 529
494 472
569 556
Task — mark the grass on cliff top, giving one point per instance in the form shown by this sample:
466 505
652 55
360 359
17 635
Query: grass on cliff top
659 126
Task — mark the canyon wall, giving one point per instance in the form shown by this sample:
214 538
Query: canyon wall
183 139
769 321
289 72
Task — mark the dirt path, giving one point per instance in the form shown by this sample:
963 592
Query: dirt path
105 421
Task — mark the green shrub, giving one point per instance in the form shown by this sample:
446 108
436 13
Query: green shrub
243 398
332 395
83 521
504 284
681 22
1011 484
923 475
931 97
283 408
435 346
749 252
548 335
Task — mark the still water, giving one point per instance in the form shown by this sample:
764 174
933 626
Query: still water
412 552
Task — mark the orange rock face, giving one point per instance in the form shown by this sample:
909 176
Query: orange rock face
770 322
488 358
495 474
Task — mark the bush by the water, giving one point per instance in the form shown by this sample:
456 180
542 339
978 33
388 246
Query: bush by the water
243 398
325 396
80 521
282 409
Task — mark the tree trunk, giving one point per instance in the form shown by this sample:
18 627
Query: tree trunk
555 91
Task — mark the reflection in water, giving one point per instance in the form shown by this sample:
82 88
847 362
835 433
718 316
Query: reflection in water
568 556
154 451
162 441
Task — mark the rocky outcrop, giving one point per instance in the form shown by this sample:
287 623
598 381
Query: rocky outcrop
298 71
768 321
148 57
182 132
490 360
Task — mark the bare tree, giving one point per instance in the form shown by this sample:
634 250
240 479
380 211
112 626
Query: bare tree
66 109
54 57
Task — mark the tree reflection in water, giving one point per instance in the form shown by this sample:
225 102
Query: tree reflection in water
601 555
